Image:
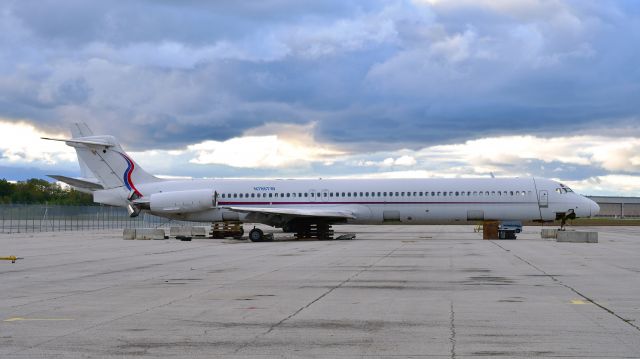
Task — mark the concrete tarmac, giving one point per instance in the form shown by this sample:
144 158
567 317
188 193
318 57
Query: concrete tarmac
395 291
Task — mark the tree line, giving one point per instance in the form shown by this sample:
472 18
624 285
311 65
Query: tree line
38 191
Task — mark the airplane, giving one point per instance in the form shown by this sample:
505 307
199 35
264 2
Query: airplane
312 206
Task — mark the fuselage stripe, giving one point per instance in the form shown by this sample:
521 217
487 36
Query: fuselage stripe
378 202
127 175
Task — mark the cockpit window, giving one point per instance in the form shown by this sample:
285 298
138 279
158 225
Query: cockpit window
563 189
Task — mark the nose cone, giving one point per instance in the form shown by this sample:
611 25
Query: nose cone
595 208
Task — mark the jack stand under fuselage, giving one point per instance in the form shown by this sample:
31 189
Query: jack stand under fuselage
311 230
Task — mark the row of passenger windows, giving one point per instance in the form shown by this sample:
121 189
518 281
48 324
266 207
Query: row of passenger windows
376 194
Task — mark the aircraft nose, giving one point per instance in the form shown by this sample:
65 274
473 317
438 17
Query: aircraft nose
595 208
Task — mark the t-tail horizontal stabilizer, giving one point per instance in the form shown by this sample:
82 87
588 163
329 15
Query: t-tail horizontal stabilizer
78 183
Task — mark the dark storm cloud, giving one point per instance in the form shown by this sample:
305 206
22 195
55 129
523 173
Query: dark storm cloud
372 75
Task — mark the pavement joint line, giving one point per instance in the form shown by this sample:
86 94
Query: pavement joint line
588 299
331 290
452 328
139 312
20 319
274 326
112 272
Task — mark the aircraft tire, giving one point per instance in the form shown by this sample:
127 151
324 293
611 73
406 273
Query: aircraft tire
256 235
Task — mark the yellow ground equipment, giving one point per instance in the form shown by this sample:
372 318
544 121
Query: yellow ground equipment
227 229
13 259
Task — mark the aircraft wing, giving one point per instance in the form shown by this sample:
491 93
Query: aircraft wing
295 212
78 183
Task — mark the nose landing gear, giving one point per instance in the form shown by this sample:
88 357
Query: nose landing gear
570 214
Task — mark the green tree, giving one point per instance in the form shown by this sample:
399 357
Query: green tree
40 191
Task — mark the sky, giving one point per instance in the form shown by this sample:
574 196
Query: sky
295 89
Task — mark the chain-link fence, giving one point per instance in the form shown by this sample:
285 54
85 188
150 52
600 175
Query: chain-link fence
16 218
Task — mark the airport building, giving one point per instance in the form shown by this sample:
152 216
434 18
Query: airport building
617 207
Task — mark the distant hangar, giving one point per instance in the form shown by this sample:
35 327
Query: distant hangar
617 207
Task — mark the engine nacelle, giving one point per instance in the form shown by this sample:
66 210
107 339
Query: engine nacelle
182 201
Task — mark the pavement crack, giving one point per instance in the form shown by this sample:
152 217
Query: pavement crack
452 330
330 290
584 296
274 326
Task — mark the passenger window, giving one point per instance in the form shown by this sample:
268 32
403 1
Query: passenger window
402 194
444 193
408 194
457 193
366 194
517 193
493 193
384 194
420 194
270 195
439 193
433 193
451 193
288 195
324 194
510 193
397 194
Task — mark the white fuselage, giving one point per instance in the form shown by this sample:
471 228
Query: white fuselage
373 201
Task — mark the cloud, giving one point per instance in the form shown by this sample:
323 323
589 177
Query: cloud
403 160
433 71
21 143
612 154
378 79
608 185
290 146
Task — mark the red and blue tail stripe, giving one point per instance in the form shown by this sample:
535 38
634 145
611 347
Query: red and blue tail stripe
127 175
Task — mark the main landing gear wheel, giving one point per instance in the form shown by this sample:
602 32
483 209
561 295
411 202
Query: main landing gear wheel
256 235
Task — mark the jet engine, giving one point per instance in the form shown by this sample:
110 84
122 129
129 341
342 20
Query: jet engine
182 201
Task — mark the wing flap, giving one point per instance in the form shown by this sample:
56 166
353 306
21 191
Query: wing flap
297 212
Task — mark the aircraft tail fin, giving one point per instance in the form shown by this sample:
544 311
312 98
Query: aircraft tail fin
102 160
